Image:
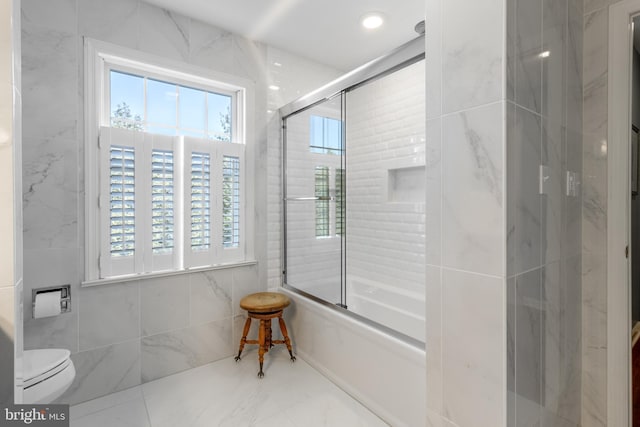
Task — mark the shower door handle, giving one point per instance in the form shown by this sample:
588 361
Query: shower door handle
302 199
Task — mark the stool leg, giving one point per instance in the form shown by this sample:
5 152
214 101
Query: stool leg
269 336
243 340
262 344
287 341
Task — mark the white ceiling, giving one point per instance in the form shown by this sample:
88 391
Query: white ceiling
327 31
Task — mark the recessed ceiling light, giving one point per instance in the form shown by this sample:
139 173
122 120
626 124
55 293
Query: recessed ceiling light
274 87
372 20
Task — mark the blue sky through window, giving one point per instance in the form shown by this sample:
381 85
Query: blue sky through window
219 105
192 109
162 99
127 89
170 109
326 135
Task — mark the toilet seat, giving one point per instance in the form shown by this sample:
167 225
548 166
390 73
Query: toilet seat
47 374
38 365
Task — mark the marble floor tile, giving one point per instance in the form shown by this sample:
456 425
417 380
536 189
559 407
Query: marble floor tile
130 414
100 404
226 393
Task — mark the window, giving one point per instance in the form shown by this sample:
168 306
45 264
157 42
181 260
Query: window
326 139
322 201
325 222
326 135
169 171
142 103
340 205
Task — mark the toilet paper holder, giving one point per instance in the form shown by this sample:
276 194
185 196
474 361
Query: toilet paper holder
65 297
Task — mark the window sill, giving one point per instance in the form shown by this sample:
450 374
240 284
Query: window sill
143 276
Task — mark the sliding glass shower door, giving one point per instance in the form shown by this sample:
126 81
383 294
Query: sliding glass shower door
314 200
355 179
385 163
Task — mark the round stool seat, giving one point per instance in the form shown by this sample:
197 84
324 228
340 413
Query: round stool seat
264 302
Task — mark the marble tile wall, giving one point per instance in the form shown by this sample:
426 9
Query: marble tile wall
544 108
594 212
527 243
10 210
157 327
465 248
123 334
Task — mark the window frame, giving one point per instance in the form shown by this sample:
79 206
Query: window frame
100 59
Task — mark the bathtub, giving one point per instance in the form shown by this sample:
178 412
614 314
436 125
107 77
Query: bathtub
385 373
398 309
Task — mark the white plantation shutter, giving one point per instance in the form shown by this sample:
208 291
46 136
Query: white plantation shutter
162 210
162 198
230 202
120 213
230 190
122 200
199 191
169 202
213 189
140 175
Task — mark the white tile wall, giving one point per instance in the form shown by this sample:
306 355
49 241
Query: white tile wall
467 85
473 385
472 175
472 52
164 305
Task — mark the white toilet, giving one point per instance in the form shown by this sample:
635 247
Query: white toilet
47 374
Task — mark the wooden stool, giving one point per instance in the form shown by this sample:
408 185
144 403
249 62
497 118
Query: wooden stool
265 306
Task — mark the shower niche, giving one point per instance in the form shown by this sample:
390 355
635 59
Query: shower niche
354 193
406 184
